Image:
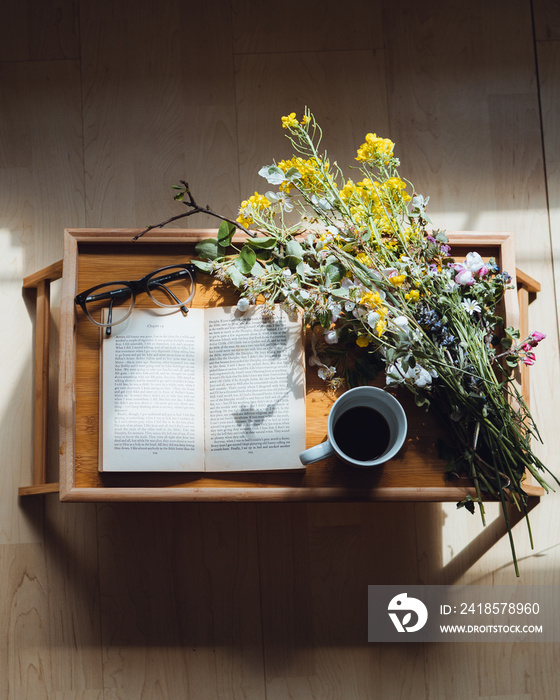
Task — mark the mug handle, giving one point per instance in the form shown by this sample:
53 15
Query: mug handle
317 452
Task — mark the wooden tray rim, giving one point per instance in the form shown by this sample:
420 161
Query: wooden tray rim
67 388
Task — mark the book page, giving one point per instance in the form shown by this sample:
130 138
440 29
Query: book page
255 390
152 392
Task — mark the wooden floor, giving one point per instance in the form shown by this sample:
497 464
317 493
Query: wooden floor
103 106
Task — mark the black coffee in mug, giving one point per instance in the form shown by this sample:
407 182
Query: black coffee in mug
362 433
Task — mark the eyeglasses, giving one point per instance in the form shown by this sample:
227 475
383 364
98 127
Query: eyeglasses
172 286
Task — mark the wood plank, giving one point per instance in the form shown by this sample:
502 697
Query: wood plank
51 272
39 30
39 490
547 20
73 627
42 111
265 94
359 26
67 367
25 658
316 564
523 297
549 64
528 282
188 624
42 332
41 179
187 125
233 492
464 114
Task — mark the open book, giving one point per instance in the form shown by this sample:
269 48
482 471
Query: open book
217 390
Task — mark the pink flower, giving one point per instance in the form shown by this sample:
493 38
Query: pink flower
463 276
530 359
537 336
473 265
526 347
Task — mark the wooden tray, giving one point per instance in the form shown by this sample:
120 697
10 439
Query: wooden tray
92 256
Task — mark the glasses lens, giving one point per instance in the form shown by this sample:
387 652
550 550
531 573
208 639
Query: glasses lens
171 286
109 304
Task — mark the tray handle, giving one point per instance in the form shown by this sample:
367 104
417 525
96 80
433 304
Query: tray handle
41 281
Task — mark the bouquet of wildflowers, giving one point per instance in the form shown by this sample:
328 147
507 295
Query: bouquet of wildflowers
373 278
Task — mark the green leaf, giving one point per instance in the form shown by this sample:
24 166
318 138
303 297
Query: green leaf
204 266
290 261
340 293
209 249
294 248
334 273
261 243
422 401
512 361
257 270
245 260
263 254
180 194
293 173
467 503
512 332
235 276
506 343
225 233
390 356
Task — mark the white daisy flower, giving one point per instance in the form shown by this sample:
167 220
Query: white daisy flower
471 305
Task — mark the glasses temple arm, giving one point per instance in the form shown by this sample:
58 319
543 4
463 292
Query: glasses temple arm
180 303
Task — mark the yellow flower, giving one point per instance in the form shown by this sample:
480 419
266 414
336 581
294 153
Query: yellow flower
396 185
376 149
362 341
372 299
347 191
310 172
306 119
256 203
391 245
397 280
410 234
380 326
364 258
290 121
413 295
